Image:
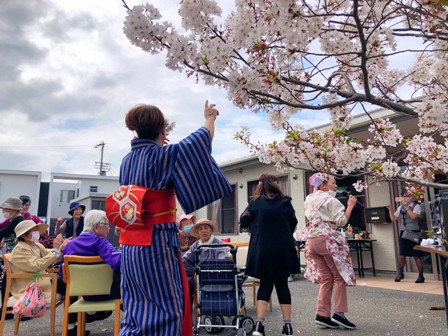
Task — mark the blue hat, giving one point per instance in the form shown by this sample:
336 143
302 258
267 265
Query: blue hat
74 206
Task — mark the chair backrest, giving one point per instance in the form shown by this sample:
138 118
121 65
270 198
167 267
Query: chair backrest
87 276
6 257
241 256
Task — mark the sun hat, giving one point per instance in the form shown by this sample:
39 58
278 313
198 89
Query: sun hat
184 216
26 225
74 206
194 229
12 203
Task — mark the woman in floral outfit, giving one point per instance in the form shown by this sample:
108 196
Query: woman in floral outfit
327 251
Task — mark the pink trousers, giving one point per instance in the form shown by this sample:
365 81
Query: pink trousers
329 279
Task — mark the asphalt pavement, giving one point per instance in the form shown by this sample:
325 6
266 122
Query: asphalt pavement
375 311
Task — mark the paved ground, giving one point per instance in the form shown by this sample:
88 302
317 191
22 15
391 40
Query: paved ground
375 311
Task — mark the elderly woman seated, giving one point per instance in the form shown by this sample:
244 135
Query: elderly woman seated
93 242
29 256
203 229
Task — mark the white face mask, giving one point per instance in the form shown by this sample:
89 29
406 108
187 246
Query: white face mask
7 215
35 235
332 193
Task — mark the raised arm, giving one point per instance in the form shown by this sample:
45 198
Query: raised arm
210 114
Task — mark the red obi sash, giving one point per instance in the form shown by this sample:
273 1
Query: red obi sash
136 210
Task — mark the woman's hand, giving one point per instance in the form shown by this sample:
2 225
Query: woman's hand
65 243
210 114
210 111
58 244
60 220
351 201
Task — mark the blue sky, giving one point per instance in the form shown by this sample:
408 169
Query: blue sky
68 75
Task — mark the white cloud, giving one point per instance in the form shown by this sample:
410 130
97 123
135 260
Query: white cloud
68 75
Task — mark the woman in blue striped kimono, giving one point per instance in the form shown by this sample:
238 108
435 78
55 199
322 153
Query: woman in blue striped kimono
153 278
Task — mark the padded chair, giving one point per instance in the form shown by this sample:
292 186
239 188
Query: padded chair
10 301
88 276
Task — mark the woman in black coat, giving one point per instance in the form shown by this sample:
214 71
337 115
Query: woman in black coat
272 256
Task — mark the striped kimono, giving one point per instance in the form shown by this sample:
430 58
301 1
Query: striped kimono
151 275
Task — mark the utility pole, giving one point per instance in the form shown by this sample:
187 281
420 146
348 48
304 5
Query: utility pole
101 144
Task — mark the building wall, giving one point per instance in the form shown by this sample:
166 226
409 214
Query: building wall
16 183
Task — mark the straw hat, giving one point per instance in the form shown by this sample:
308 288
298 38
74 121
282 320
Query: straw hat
12 203
194 229
26 225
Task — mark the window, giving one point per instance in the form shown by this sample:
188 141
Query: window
99 204
67 196
93 189
282 181
223 212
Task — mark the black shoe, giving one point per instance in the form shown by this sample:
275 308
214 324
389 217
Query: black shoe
343 322
326 322
420 279
399 277
25 318
259 329
98 316
74 331
287 329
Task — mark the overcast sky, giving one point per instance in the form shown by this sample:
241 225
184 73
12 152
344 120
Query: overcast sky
68 75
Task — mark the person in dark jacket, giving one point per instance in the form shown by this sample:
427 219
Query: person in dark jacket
272 256
73 226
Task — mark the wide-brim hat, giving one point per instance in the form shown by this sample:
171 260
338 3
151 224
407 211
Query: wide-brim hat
194 229
12 203
74 206
26 225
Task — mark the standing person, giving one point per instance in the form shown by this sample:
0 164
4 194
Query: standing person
154 284
408 214
327 252
73 226
272 256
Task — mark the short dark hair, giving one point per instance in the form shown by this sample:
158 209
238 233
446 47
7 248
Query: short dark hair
25 199
147 120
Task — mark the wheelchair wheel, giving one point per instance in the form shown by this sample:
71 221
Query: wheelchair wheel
218 320
208 320
247 323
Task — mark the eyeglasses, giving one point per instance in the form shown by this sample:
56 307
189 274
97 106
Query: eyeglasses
104 224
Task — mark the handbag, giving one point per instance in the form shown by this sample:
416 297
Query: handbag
412 236
32 302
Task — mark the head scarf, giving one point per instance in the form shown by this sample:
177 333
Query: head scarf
317 179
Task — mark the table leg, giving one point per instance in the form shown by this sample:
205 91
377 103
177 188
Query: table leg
373 260
361 258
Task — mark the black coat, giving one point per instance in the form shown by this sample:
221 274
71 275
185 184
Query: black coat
272 249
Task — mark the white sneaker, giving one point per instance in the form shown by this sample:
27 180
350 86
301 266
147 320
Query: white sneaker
291 278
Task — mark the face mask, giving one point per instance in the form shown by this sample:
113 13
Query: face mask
35 235
332 193
7 215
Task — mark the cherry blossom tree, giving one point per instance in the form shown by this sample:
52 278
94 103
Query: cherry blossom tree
284 57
